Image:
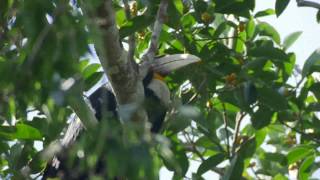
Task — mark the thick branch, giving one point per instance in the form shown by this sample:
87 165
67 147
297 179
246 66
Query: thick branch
120 71
302 3
153 46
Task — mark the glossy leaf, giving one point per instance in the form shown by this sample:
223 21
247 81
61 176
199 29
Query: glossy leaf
90 69
304 171
250 28
298 153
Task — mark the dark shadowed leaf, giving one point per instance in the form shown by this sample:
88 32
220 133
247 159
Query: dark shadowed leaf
262 117
135 24
281 6
211 162
272 98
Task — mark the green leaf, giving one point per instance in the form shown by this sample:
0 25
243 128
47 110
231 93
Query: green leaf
83 64
266 12
92 80
121 17
220 29
262 117
235 169
280 177
290 39
304 170
240 42
91 69
277 157
277 102
135 24
209 163
311 62
315 89
318 16
265 48
20 131
266 29
299 153
250 28
179 5
281 6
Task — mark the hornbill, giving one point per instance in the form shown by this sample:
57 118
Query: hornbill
103 101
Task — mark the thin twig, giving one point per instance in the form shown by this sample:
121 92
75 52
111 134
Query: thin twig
225 122
255 173
239 118
195 150
216 39
196 94
301 132
153 46
132 40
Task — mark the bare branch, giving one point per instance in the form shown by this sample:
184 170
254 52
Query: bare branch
239 118
153 46
225 121
303 3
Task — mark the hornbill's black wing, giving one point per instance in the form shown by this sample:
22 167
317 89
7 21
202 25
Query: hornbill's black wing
103 102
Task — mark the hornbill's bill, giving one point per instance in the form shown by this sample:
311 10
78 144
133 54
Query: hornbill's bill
103 101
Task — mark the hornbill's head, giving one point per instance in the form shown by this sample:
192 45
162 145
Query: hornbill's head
156 91
153 78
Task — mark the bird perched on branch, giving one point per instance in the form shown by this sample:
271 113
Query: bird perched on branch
103 101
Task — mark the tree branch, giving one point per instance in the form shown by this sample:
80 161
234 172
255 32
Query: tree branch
225 121
303 3
122 75
132 42
239 118
153 46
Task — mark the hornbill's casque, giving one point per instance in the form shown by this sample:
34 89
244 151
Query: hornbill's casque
103 101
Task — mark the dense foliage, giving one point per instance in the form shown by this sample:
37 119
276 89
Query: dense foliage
244 111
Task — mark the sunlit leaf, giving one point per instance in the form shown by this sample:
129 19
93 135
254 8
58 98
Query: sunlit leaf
266 12
312 61
304 171
298 153
266 29
290 39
